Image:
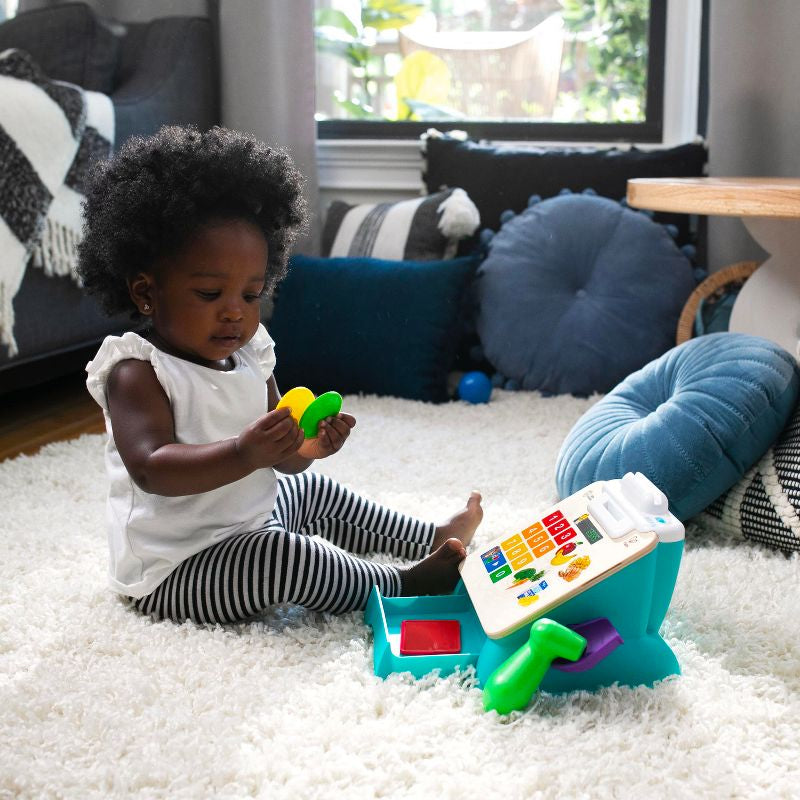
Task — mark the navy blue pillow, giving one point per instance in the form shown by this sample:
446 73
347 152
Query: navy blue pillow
500 176
577 292
365 325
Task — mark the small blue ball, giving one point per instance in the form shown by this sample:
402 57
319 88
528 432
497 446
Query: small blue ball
475 387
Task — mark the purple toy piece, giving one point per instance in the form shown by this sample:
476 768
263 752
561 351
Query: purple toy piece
601 638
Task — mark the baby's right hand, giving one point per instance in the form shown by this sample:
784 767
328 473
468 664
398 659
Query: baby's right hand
270 439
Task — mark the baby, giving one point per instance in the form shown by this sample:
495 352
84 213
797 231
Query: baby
188 231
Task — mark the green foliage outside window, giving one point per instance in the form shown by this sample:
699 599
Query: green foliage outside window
604 67
616 55
339 35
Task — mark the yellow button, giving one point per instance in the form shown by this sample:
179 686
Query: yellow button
516 552
512 542
522 561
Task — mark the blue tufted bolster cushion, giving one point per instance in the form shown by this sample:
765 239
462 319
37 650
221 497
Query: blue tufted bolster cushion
694 421
577 292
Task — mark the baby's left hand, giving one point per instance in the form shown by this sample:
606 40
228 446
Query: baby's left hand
333 433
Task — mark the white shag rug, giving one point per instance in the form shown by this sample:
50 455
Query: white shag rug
97 701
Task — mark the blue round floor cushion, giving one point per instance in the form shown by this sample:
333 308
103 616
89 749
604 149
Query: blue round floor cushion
577 292
693 421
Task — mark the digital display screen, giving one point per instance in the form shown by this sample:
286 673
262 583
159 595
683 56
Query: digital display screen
584 525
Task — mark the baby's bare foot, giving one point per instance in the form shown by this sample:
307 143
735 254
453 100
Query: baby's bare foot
462 525
435 574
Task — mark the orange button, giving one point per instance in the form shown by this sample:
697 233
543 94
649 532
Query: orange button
544 547
537 527
521 562
512 542
538 538
516 552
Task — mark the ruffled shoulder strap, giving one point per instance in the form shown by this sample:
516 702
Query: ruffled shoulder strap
263 348
113 350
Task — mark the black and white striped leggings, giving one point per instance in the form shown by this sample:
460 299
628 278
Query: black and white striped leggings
280 563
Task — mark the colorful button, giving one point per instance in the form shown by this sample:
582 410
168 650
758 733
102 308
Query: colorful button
540 537
501 573
516 552
492 559
551 518
519 563
562 537
560 525
509 543
537 527
544 547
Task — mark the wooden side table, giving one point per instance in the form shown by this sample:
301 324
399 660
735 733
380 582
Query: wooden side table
769 303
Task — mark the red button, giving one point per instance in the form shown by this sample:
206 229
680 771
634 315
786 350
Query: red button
426 637
558 526
551 518
562 537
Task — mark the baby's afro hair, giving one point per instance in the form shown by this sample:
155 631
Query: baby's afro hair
147 201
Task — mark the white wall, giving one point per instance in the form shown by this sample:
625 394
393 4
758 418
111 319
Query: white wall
754 105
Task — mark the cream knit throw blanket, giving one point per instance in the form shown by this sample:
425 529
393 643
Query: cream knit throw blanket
50 132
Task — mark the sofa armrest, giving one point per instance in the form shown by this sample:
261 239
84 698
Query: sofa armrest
167 76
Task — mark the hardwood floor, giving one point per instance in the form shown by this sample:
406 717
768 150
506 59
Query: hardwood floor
51 412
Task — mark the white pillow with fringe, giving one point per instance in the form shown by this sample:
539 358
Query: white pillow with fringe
422 229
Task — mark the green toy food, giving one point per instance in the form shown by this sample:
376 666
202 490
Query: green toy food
326 405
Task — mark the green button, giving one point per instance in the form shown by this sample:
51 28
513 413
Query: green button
501 573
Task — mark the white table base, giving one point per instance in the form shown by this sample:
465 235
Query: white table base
769 302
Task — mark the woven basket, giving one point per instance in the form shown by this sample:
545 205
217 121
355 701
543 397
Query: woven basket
722 278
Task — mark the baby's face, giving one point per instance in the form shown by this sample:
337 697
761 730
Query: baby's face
206 299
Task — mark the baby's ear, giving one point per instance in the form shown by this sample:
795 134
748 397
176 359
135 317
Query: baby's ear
140 288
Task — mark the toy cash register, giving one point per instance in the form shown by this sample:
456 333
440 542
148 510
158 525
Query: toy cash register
572 601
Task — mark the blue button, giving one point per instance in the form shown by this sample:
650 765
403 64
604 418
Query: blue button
661 520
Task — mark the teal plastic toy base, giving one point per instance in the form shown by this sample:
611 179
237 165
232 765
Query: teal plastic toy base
634 600
386 614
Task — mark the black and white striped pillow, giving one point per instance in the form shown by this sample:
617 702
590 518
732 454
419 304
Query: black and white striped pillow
765 505
422 229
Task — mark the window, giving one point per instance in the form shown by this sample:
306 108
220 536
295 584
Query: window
8 9
580 70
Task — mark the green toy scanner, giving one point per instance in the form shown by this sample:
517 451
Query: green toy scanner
573 601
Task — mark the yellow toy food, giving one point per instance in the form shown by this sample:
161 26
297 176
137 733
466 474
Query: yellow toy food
297 400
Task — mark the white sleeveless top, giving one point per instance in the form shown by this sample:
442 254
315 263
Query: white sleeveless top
149 534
